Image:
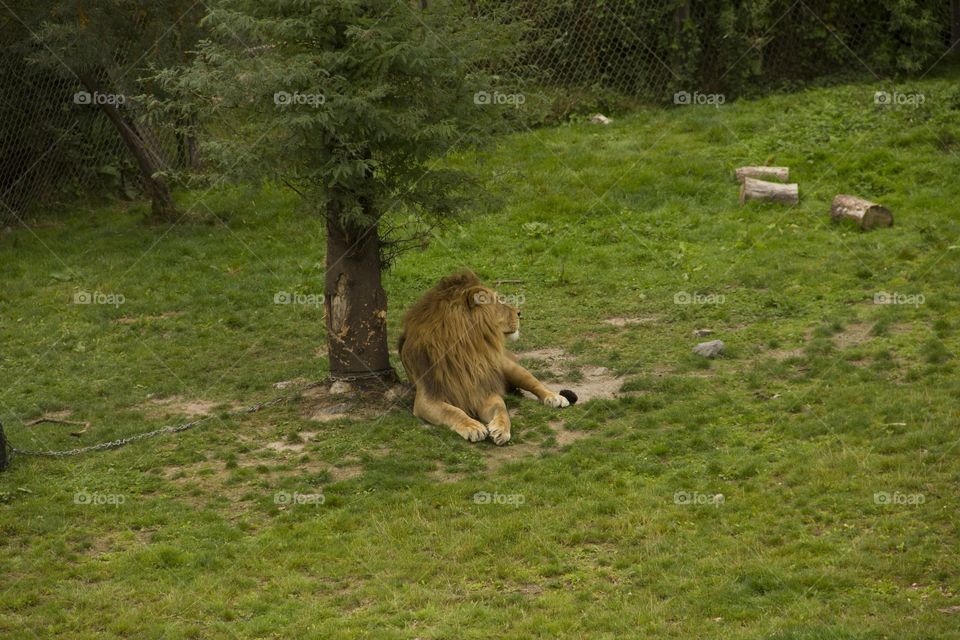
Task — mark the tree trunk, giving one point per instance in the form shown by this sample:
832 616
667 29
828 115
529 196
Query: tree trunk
753 189
163 207
865 213
188 152
356 304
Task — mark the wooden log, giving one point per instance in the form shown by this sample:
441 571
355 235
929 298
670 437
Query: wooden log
753 189
764 173
865 213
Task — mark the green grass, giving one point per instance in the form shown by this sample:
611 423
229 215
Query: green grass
822 400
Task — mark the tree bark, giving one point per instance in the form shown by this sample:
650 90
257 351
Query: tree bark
163 207
355 303
188 152
865 213
753 189
778 173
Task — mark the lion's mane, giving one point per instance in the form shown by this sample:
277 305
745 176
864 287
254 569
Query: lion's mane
452 345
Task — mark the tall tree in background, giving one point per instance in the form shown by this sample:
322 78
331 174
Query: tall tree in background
349 102
108 48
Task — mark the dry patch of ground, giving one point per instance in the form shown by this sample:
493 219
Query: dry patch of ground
192 408
594 382
626 322
320 405
852 335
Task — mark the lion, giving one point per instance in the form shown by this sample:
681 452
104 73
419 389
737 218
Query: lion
453 349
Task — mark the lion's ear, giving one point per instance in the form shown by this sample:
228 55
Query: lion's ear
475 296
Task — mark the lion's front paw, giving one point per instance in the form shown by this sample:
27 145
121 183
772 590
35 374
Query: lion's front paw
499 430
556 401
472 430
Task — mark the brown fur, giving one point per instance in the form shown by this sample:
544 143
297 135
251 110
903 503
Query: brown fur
452 349
452 346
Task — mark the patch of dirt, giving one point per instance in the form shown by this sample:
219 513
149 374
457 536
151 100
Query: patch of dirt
296 447
783 354
58 415
566 436
319 405
287 384
180 405
348 472
852 335
595 382
445 477
625 322
550 354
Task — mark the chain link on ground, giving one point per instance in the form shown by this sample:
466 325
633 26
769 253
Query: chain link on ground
115 444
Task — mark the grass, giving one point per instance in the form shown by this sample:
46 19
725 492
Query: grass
829 426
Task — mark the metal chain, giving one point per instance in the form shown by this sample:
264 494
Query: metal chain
363 376
114 444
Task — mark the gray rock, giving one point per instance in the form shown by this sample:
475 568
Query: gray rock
702 333
709 349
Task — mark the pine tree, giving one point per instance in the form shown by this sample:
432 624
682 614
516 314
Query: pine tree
352 103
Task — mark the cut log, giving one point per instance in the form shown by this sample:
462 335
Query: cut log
865 213
764 173
753 189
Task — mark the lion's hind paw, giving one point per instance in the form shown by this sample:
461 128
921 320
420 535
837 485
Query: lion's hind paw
556 401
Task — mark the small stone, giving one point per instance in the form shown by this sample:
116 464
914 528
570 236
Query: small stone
709 349
599 118
702 333
341 386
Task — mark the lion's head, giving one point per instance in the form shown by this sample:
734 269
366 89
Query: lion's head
453 340
506 316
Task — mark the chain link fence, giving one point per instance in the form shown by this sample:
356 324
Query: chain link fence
55 141
49 144
653 48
